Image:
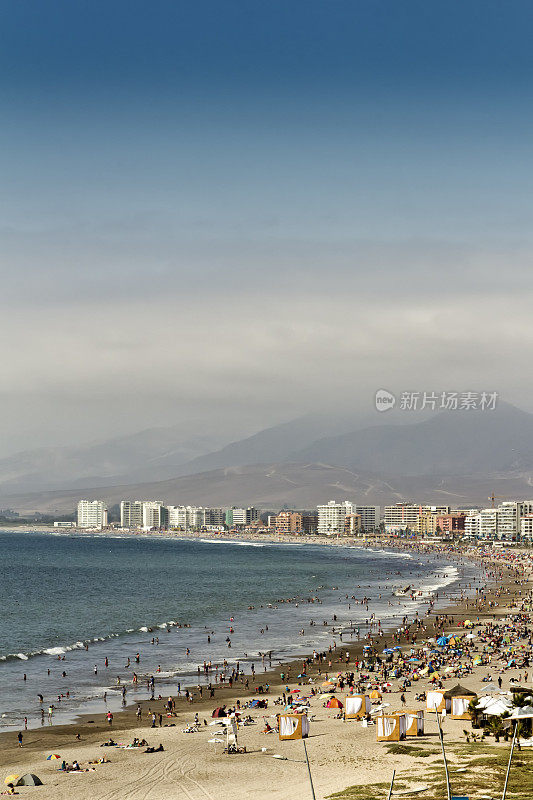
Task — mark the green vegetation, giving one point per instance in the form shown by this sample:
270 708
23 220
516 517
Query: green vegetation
485 774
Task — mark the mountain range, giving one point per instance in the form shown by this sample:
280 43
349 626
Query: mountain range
462 456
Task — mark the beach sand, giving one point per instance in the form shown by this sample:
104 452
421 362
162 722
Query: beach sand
341 753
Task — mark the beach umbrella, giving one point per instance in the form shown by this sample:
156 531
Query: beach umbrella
295 691
53 757
442 640
29 779
381 707
11 779
497 707
326 696
526 712
470 636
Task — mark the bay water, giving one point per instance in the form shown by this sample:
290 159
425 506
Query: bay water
70 601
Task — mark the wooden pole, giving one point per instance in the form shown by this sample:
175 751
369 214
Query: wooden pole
448 790
510 759
391 784
309 771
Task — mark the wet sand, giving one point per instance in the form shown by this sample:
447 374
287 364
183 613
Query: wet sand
341 753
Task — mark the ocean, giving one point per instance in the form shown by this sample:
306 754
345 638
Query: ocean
61 593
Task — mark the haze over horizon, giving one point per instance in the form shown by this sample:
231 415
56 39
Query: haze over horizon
227 215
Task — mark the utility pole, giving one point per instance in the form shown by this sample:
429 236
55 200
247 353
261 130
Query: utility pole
448 790
510 759
391 784
313 795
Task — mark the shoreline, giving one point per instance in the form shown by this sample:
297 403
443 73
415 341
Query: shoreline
504 591
170 675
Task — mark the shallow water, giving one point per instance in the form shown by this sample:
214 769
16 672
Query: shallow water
63 591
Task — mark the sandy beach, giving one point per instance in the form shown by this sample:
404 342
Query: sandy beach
341 753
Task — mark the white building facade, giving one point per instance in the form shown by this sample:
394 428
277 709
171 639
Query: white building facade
332 517
401 516
92 514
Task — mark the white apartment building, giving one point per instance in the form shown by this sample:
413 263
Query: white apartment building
186 517
155 515
483 525
370 517
332 517
508 520
92 514
401 516
472 525
131 514
526 527
503 522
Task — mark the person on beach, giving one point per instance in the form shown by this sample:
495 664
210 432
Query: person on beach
19 737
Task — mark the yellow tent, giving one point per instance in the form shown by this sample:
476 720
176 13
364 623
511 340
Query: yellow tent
375 695
11 779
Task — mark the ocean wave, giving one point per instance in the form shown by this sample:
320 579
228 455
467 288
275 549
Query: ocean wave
440 581
230 541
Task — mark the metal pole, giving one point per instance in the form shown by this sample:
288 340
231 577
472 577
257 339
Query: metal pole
313 795
510 759
391 784
448 790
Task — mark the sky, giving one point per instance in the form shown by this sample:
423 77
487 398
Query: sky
246 211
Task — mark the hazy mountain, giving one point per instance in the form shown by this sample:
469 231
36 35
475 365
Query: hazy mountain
292 485
448 443
152 454
281 442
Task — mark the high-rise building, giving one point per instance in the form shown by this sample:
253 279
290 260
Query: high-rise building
401 516
370 516
241 516
215 516
186 517
310 523
526 527
155 515
131 514
332 516
287 522
92 514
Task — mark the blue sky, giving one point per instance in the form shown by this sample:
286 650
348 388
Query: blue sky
253 182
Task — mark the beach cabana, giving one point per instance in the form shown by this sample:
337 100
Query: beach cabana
390 727
460 699
436 701
414 723
356 706
293 726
